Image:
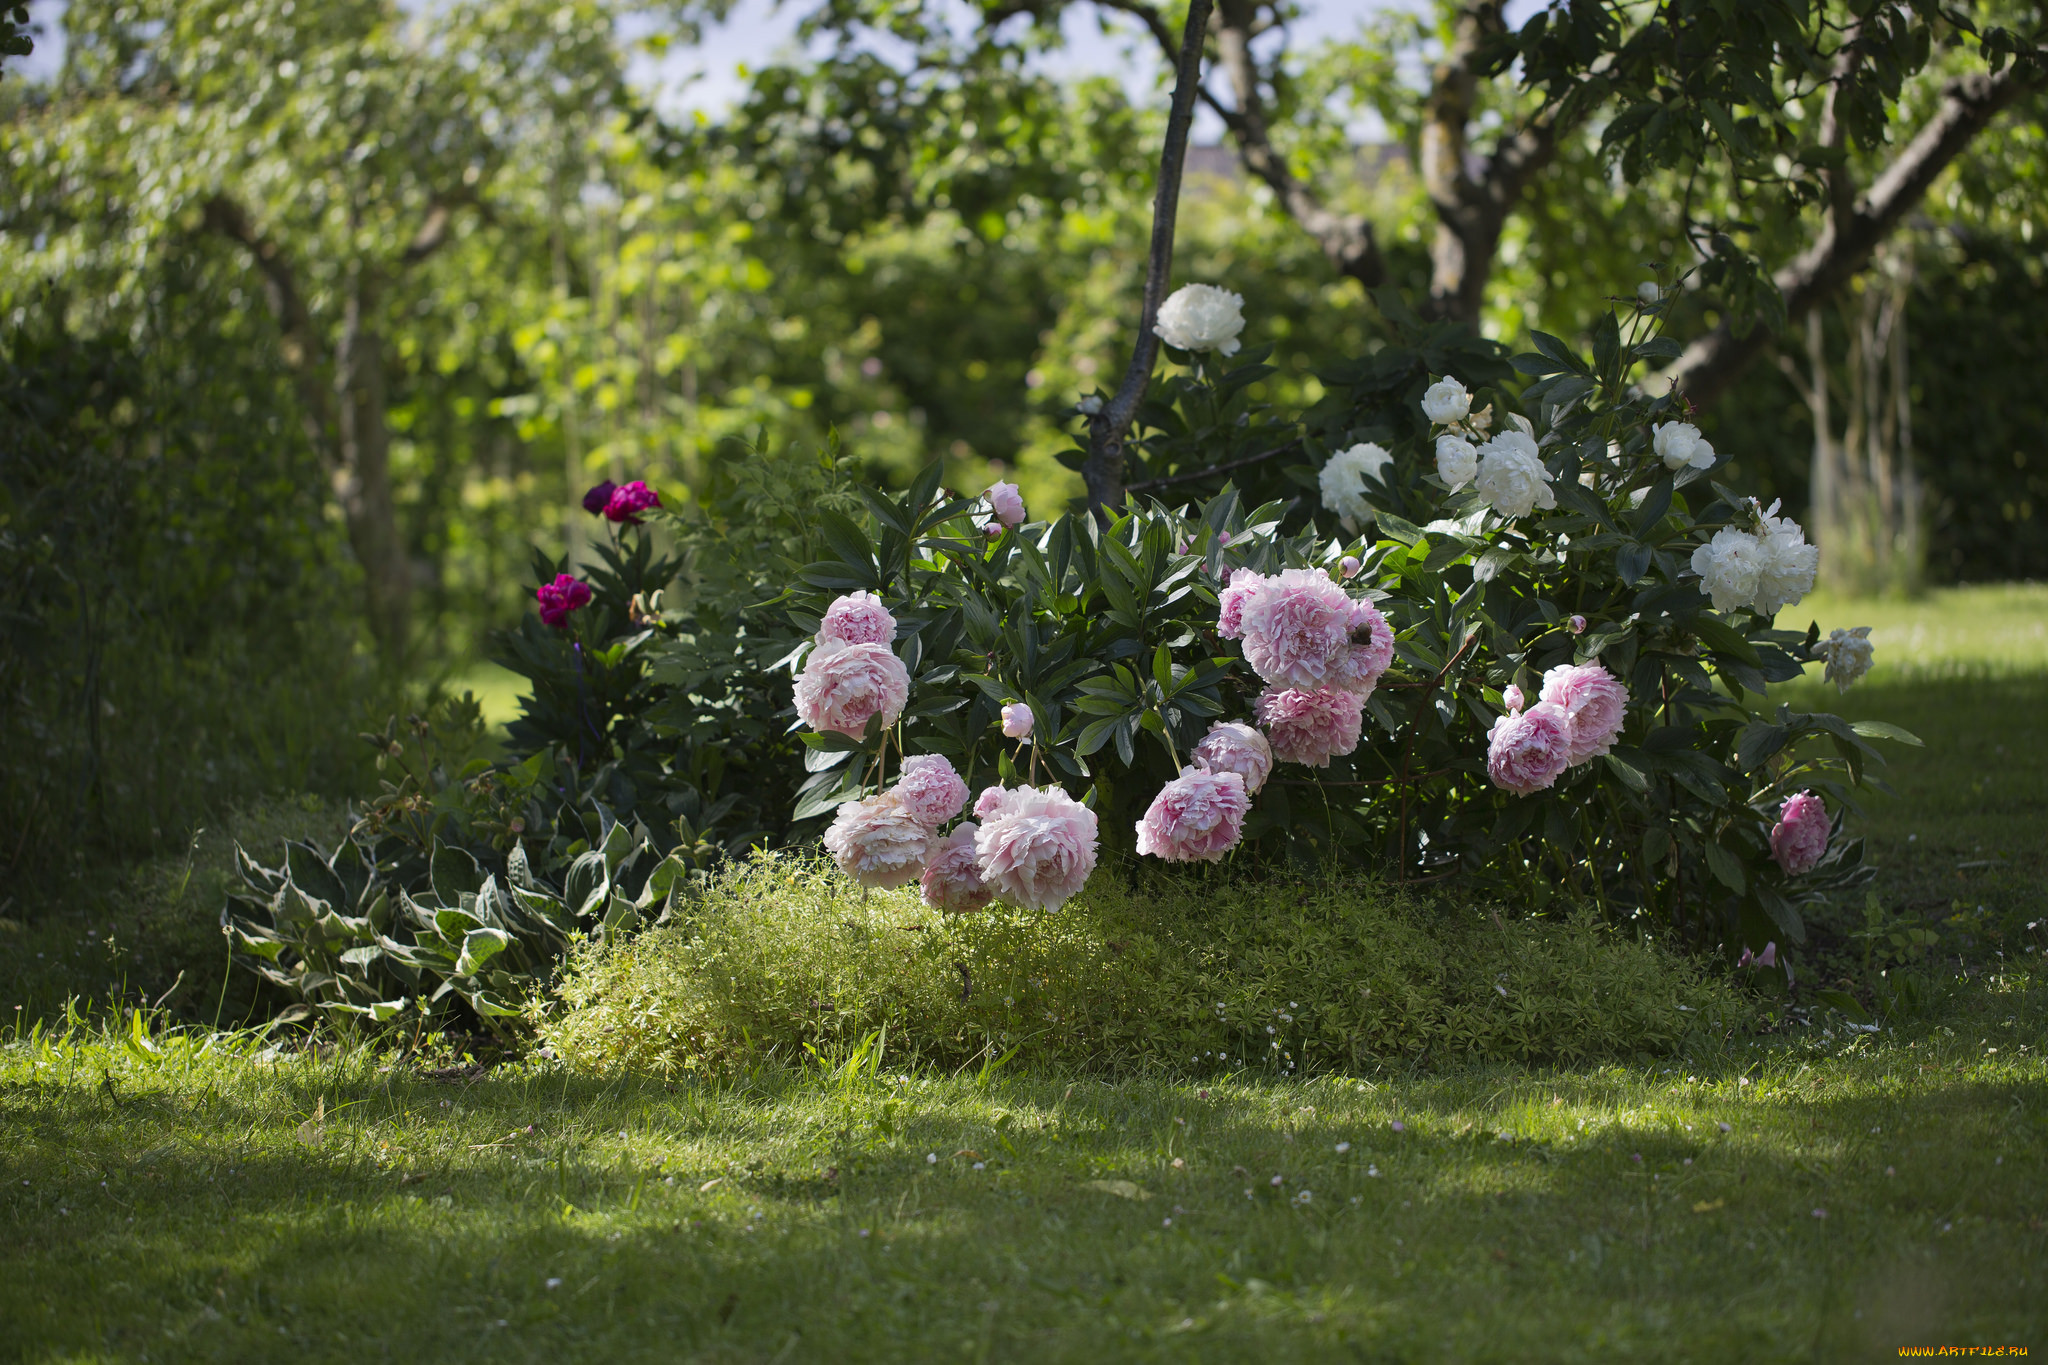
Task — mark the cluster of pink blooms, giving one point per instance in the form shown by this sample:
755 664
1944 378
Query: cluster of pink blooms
1575 720
1319 650
1800 838
1199 816
852 674
620 502
559 598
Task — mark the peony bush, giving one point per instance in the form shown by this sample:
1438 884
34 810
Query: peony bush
1342 675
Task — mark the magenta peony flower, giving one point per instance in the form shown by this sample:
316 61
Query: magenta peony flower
878 842
990 802
1800 838
1231 601
930 790
858 618
1297 628
1017 721
1512 698
1596 702
952 878
1006 502
1358 668
1197 817
843 685
599 497
629 500
559 598
1527 752
1310 727
1038 850
1232 747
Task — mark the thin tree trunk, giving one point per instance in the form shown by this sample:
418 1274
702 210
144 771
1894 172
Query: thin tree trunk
362 481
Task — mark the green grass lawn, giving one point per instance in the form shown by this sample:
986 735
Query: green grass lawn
199 1196
1828 1197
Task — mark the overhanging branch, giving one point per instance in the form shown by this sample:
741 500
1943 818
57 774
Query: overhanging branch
1104 470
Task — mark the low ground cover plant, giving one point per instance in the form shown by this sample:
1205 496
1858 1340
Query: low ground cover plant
778 957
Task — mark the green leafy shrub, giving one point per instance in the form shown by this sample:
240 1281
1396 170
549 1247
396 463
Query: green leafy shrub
779 954
1109 630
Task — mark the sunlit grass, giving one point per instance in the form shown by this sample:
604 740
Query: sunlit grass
231 1203
1990 629
499 691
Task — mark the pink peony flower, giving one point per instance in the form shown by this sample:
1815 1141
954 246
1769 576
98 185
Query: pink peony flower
599 497
1006 502
1349 566
1527 752
1767 958
1231 601
878 842
628 500
1297 630
990 801
1512 698
843 685
930 790
1358 668
858 618
1038 850
952 878
1233 747
1596 702
1310 727
1197 817
559 598
1800 838
1578 625
1017 721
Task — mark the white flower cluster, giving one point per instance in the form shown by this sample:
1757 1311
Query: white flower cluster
1848 655
1767 569
1343 481
1201 317
1507 469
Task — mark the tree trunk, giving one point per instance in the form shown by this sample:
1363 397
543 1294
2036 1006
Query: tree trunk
362 471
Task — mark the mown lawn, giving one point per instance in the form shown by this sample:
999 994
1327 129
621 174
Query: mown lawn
1828 1197
197 1196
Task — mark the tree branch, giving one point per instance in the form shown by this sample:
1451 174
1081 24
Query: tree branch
1104 470
1968 104
297 339
435 228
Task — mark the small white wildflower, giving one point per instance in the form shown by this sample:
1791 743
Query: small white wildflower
1728 566
1788 565
1446 401
1090 405
1201 317
1648 292
1679 444
1343 1147
1343 479
1457 460
931 1158
1848 654
1511 475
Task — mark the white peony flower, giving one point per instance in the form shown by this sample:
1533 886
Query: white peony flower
1343 480
1457 460
1848 654
1201 317
1511 475
1679 444
1446 401
1090 405
1648 292
1789 564
1728 566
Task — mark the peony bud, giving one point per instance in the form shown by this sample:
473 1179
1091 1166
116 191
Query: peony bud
1511 697
1349 566
1017 721
1578 625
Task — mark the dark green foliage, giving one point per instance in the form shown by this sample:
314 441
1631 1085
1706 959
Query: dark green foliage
1186 974
174 625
